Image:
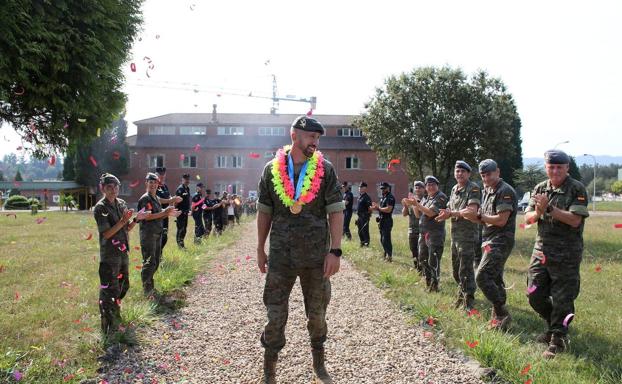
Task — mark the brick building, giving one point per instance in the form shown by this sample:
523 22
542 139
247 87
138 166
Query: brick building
229 150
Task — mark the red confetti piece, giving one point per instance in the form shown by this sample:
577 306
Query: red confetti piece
430 321
310 113
529 381
69 377
120 276
226 361
248 257
177 357
494 322
52 161
487 248
133 67
182 157
87 329
134 184
93 161
197 147
149 206
137 248
472 344
89 236
254 155
473 312
118 301
17 296
617 225
525 370
116 155
138 267
77 321
598 268
394 161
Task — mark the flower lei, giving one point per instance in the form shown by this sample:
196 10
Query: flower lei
284 187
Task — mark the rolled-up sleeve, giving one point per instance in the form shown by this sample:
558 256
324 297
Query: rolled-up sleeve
578 206
265 203
332 194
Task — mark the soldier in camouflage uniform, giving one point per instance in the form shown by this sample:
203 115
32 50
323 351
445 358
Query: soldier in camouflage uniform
113 224
432 235
414 215
300 245
164 196
559 205
498 216
465 195
151 229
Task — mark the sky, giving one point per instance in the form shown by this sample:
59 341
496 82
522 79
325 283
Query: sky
560 60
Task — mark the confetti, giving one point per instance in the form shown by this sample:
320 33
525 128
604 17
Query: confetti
133 67
428 334
115 242
127 370
66 125
2 268
93 161
310 113
254 155
52 161
226 361
472 344
138 267
69 377
531 289
86 329
197 147
17 296
77 321
134 183
17 375
568 319
473 312
41 220
430 321
17 184
20 148
120 276
524 371
486 247
177 357
102 286
82 120
248 257
89 236
198 177
494 323
598 268
99 132
116 155
182 157
542 257
137 248
617 225
529 381
525 226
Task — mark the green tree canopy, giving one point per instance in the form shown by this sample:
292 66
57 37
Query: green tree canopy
18 176
528 177
616 187
431 117
574 169
60 67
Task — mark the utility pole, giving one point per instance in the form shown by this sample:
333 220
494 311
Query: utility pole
593 182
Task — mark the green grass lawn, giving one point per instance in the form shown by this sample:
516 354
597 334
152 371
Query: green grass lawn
49 318
595 354
611 206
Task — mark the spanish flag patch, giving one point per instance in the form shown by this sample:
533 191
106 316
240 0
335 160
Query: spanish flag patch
581 198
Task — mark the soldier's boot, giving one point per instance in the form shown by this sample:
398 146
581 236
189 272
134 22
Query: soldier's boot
557 345
433 287
319 369
544 338
269 367
469 302
501 319
390 258
459 301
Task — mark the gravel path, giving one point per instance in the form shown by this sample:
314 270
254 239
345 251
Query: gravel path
215 338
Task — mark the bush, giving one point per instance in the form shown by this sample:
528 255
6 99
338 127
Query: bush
33 201
21 202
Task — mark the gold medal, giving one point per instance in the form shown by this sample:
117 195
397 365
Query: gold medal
296 208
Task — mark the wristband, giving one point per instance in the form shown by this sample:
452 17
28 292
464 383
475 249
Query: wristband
336 251
549 209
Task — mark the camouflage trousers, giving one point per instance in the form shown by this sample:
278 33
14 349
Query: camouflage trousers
462 255
430 259
554 286
489 275
413 243
151 248
114 283
316 292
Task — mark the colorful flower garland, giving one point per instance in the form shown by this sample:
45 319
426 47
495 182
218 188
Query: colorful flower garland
284 187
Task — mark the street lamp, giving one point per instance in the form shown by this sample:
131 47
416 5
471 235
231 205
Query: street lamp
594 182
560 143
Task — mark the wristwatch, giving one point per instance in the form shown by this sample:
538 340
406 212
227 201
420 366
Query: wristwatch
336 251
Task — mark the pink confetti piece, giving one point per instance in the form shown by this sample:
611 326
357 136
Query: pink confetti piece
226 361
541 256
115 242
134 184
133 67
17 296
119 276
486 248
17 375
118 302
41 220
93 161
127 370
182 157
102 286
197 147
248 257
525 370
204 206
123 248
310 112
66 125
177 357
531 289
428 334
525 226
568 319
52 161
430 321
472 344
17 184
140 376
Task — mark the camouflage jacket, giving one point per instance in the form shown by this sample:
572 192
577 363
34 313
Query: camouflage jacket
428 225
150 203
299 240
462 229
494 201
107 215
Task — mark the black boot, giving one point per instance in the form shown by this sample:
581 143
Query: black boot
557 345
321 374
469 302
269 367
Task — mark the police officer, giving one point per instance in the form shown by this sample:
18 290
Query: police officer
385 219
113 224
164 196
465 195
183 191
559 205
498 217
151 229
409 209
208 210
348 199
432 232
363 212
299 241
197 213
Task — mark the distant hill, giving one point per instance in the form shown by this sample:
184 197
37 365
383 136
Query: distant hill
603 160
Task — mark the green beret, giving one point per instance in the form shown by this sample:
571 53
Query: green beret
308 124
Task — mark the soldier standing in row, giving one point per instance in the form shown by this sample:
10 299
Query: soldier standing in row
183 191
197 213
559 205
498 217
300 242
151 228
363 212
164 196
208 212
408 209
113 224
217 213
385 219
465 195
432 235
348 199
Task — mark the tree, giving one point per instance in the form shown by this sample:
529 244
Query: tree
18 176
574 169
430 117
1 176
616 187
528 177
60 67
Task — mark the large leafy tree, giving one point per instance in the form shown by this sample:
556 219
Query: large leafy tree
60 67
431 117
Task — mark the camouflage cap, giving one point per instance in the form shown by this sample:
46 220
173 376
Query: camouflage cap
556 156
463 164
108 178
308 124
487 165
152 176
419 183
431 179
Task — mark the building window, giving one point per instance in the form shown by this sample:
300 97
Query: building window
235 161
271 131
349 132
271 154
189 161
221 162
353 163
124 189
162 130
382 164
155 161
235 187
228 131
192 130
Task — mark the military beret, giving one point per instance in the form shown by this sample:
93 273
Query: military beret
200 185
208 191
556 156
160 170
419 184
363 184
431 179
385 185
109 178
308 124
185 176
463 165
487 165
152 176
216 193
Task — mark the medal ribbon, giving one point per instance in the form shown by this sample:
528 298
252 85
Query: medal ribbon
301 177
